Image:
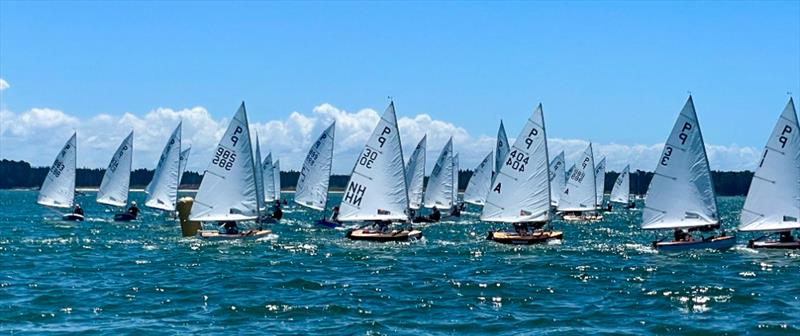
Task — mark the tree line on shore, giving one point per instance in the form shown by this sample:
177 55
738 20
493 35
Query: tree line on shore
20 174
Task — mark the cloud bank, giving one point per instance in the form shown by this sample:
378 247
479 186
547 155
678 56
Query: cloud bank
37 134
3 84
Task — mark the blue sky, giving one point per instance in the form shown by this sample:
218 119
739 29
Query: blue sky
609 72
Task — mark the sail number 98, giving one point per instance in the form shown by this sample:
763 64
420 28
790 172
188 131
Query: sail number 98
224 158
368 158
517 160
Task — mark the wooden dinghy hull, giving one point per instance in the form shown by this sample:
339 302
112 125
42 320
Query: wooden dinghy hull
514 238
716 243
773 244
391 236
216 235
72 217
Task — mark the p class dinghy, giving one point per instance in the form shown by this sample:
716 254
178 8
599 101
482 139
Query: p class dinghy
621 193
228 193
681 195
520 193
558 179
162 191
773 201
415 175
480 182
578 200
439 193
58 188
116 181
377 190
312 184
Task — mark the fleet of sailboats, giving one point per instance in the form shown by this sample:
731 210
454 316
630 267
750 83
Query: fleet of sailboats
521 186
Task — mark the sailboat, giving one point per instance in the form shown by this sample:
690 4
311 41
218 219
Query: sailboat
312 184
259 176
415 175
520 193
457 206
773 202
228 192
162 191
578 200
558 178
276 175
621 193
480 182
269 179
377 190
439 191
58 188
116 181
600 181
681 194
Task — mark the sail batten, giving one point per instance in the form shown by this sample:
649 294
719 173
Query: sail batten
312 184
520 191
377 187
58 188
228 190
415 174
162 191
773 201
117 178
681 186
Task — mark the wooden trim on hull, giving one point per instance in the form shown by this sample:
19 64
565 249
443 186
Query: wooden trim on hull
215 235
514 238
773 244
392 236
718 243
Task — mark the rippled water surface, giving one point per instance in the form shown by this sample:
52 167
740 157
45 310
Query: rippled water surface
142 277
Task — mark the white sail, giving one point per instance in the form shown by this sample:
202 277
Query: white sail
621 192
162 191
600 180
116 181
415 174
228 189
501 149
558 178
58 188
276 171
480 182
269 179
259 176
183 159
681 193
773 202
377 187
521 189
312 184
439 192
580 194
455 179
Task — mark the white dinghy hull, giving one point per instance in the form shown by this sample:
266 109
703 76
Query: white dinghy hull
715 243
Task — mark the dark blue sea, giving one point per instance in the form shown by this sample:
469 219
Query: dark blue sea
102 277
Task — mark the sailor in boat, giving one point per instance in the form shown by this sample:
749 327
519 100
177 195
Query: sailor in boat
786 237
133 211
456 211
229 227
78 210
335 215
682 236
277 213
435 215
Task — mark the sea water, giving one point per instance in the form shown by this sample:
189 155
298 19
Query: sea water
142 277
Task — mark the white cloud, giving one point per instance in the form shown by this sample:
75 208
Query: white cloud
35 135
3 84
